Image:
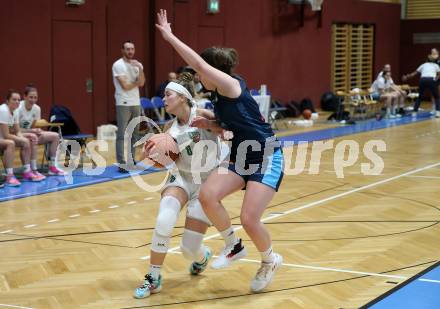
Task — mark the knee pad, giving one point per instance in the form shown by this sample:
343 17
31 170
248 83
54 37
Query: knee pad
168 214
191 245
166 220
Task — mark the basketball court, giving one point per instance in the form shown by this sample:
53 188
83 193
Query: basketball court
356 217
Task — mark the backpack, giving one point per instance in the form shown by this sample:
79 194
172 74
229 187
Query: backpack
59 113
329 102
306 103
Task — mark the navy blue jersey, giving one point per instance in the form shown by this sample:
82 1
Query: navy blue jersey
242 116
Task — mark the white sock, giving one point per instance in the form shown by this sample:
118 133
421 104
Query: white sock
10 171
52 161
27 168
202 257
267 256
155 271
229 236
34 165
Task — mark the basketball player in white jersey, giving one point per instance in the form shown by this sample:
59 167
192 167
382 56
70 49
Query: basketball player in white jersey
182 186
28 114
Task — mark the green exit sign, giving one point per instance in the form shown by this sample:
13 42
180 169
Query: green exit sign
213 6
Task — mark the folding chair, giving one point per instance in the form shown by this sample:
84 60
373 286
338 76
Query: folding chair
69 131
148 105
275 114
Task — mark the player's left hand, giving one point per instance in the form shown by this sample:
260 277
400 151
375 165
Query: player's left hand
163 25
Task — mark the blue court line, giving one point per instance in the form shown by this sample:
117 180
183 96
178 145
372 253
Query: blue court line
359 127
54 184
413 293
59 183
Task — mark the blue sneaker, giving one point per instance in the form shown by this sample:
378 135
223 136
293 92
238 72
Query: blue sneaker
196 268
149 286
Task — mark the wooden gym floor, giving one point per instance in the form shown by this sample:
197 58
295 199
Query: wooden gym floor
345 241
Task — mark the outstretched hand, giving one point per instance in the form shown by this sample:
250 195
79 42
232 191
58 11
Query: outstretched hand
200 122
163 25
226 135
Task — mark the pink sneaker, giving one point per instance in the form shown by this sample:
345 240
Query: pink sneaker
31 176
55 171
11 181
39 174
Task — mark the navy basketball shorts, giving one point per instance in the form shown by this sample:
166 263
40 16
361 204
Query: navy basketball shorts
268 170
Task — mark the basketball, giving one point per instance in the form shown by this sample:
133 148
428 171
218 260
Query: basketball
307 114
161 150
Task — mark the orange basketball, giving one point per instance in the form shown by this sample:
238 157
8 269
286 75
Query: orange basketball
161 150
307 114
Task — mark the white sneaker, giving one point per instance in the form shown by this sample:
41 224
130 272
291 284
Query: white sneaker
414 114
437 114
229 254
265 274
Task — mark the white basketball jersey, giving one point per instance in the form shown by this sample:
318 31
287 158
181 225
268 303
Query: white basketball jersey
199 148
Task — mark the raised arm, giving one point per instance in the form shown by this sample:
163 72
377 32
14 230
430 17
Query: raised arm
410 75
224 83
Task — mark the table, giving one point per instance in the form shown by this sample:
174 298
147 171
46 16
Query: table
263 102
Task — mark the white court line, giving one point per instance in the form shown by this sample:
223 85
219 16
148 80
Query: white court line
7 231
429 280
148 198
131 202
94 211
334 270
74 216
13 306
113 206
334 197
53 220
421 176
29 226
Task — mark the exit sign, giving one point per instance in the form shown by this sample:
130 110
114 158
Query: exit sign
213 6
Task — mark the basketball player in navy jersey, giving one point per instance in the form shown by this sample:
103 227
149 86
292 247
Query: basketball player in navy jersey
259 171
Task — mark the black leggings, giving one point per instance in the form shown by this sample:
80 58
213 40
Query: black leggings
431 84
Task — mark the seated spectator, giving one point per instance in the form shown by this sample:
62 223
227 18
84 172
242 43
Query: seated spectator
383 89
386 68
10 130
28 114
7 148
161 90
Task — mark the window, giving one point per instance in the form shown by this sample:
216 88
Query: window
426 9
352 56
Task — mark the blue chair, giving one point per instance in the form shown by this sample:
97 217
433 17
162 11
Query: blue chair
158 102
148 104
254 92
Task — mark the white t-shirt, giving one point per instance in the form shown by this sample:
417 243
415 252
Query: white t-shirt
6 117
122 97
381 83
26 117
429 69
